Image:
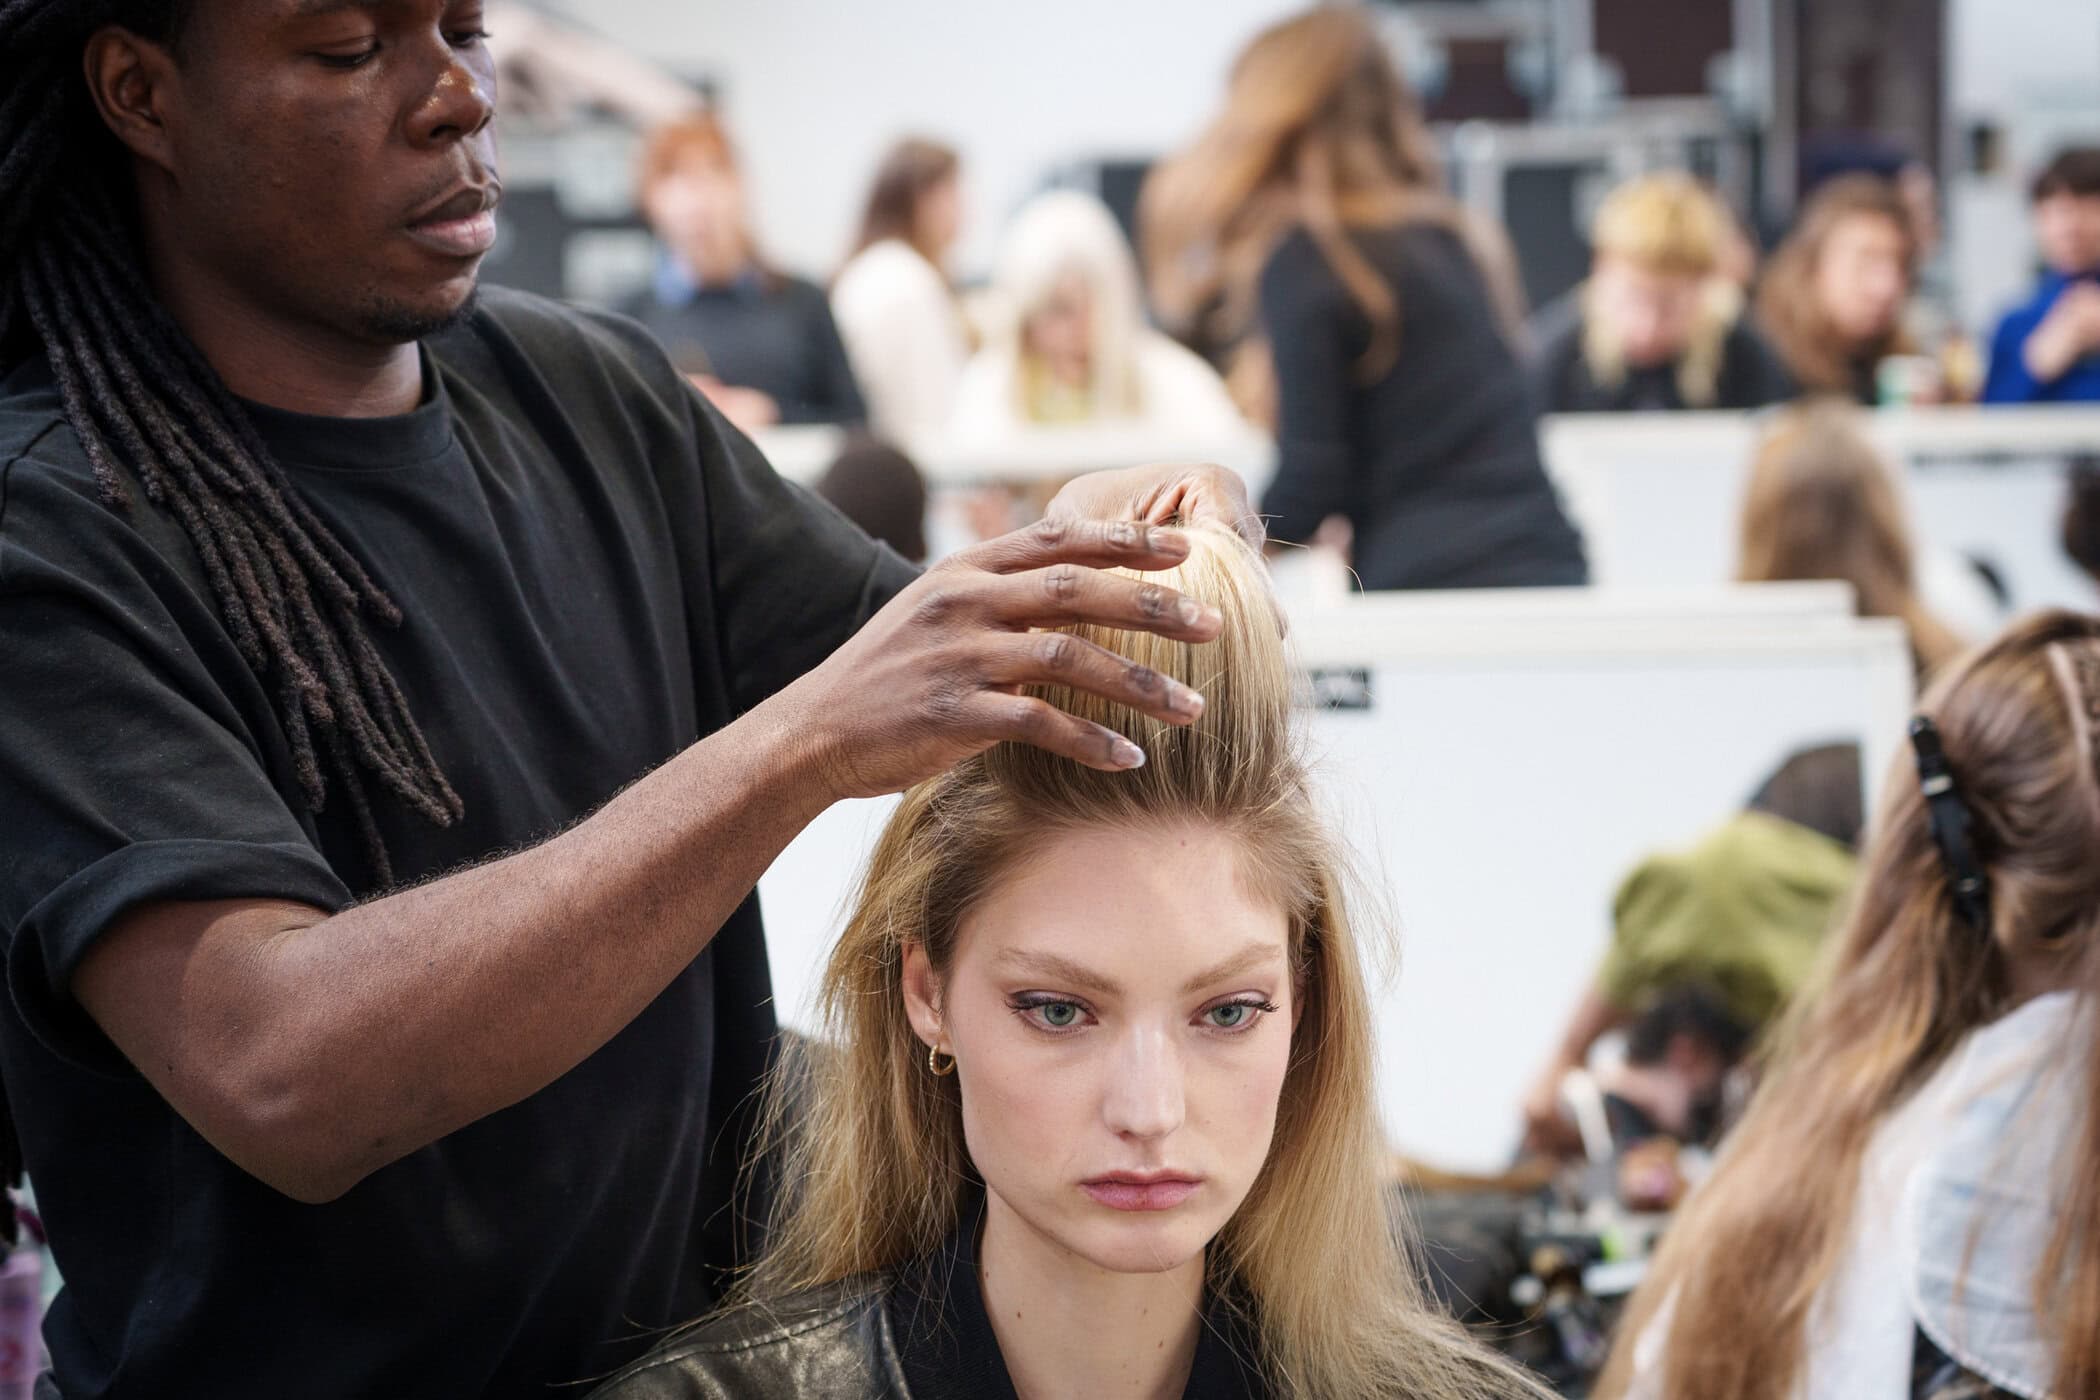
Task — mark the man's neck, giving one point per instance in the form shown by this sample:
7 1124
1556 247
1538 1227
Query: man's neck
1140 1329
304 369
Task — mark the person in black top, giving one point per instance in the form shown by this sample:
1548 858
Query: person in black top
1656 327
1312 210
402 696
758 342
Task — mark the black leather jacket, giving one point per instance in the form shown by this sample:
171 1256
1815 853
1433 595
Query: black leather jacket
833 1343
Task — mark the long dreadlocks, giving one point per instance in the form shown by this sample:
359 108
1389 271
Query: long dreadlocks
149 410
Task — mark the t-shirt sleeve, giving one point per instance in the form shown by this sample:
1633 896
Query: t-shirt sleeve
129 775
1306 315
792 577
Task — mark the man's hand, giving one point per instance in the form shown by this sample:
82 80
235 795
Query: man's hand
936 676
2069 333
1189 491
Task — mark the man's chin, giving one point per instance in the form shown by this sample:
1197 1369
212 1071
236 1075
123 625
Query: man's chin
397 321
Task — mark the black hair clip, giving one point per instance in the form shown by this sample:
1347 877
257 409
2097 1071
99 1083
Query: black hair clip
1952 827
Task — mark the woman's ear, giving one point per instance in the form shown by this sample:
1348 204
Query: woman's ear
922 995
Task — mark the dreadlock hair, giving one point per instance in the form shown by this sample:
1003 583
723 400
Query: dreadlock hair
150 411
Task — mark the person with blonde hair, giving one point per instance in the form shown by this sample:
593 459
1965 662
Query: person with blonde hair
895 306
1823 504
1910 1209
1311 214
1833 297
1657 325
1070 346
1096 1112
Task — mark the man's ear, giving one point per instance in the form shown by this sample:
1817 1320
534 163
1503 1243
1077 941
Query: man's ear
133 82
922 996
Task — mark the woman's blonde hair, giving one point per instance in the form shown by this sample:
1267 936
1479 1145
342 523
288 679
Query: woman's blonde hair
874 1161
1666 222
1750 1253
1672 225
1822 504
1319 131
1056 236
1789 311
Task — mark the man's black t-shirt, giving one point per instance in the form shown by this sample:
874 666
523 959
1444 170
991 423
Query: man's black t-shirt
595 573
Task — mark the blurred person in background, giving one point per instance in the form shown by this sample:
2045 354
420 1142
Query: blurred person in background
2080 530
2047 350
1071 346
757 342
1657 325
1833 296
1313 214
1910 1208
1723 934
878 488
1822 504
895 305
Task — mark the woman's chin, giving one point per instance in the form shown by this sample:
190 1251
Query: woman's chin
1141 1242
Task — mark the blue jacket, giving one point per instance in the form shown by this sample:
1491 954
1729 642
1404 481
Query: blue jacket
2009 380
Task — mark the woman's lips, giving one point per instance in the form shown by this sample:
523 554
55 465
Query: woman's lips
1139 1193
466 237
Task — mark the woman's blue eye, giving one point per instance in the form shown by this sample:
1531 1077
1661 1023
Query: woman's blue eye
1236 1015
1059 1014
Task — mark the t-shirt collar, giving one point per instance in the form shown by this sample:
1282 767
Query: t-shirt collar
360 444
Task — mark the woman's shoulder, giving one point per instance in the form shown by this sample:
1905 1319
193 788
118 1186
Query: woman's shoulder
887 271
827 1343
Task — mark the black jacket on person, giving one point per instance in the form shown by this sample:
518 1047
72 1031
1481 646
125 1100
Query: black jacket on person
1746 374
1435 463
918 1333
763 331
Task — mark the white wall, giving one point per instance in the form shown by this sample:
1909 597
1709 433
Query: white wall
816 89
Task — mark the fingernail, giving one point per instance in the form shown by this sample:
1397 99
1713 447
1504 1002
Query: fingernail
1193 613
1128 755
1159 539
1187 702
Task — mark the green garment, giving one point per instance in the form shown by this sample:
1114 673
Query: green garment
1742 913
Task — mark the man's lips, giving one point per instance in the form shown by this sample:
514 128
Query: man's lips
1141 1191
462 225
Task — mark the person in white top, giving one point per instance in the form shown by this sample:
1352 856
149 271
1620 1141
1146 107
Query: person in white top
903 328
1071 346
1911 1207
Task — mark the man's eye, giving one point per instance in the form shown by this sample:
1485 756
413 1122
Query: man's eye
348 60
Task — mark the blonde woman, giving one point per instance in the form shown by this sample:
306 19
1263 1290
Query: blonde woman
1910 1209
1822 504
1657 326
1071 347
1096 1118
1311 213
1833 296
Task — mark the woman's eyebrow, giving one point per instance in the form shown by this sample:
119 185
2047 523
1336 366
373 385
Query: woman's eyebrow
1254 955
1058 969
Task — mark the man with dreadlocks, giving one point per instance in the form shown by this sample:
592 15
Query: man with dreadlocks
399 697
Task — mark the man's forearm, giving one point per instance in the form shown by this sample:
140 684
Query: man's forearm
337 1046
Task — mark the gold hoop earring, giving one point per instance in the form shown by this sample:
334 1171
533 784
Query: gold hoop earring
934 1065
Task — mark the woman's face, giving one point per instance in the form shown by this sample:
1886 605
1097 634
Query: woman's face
1863 277
939 214
697 208
1061 331
1650 314
1120 1010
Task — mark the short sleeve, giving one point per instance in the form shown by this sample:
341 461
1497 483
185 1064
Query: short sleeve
129 774
793 578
